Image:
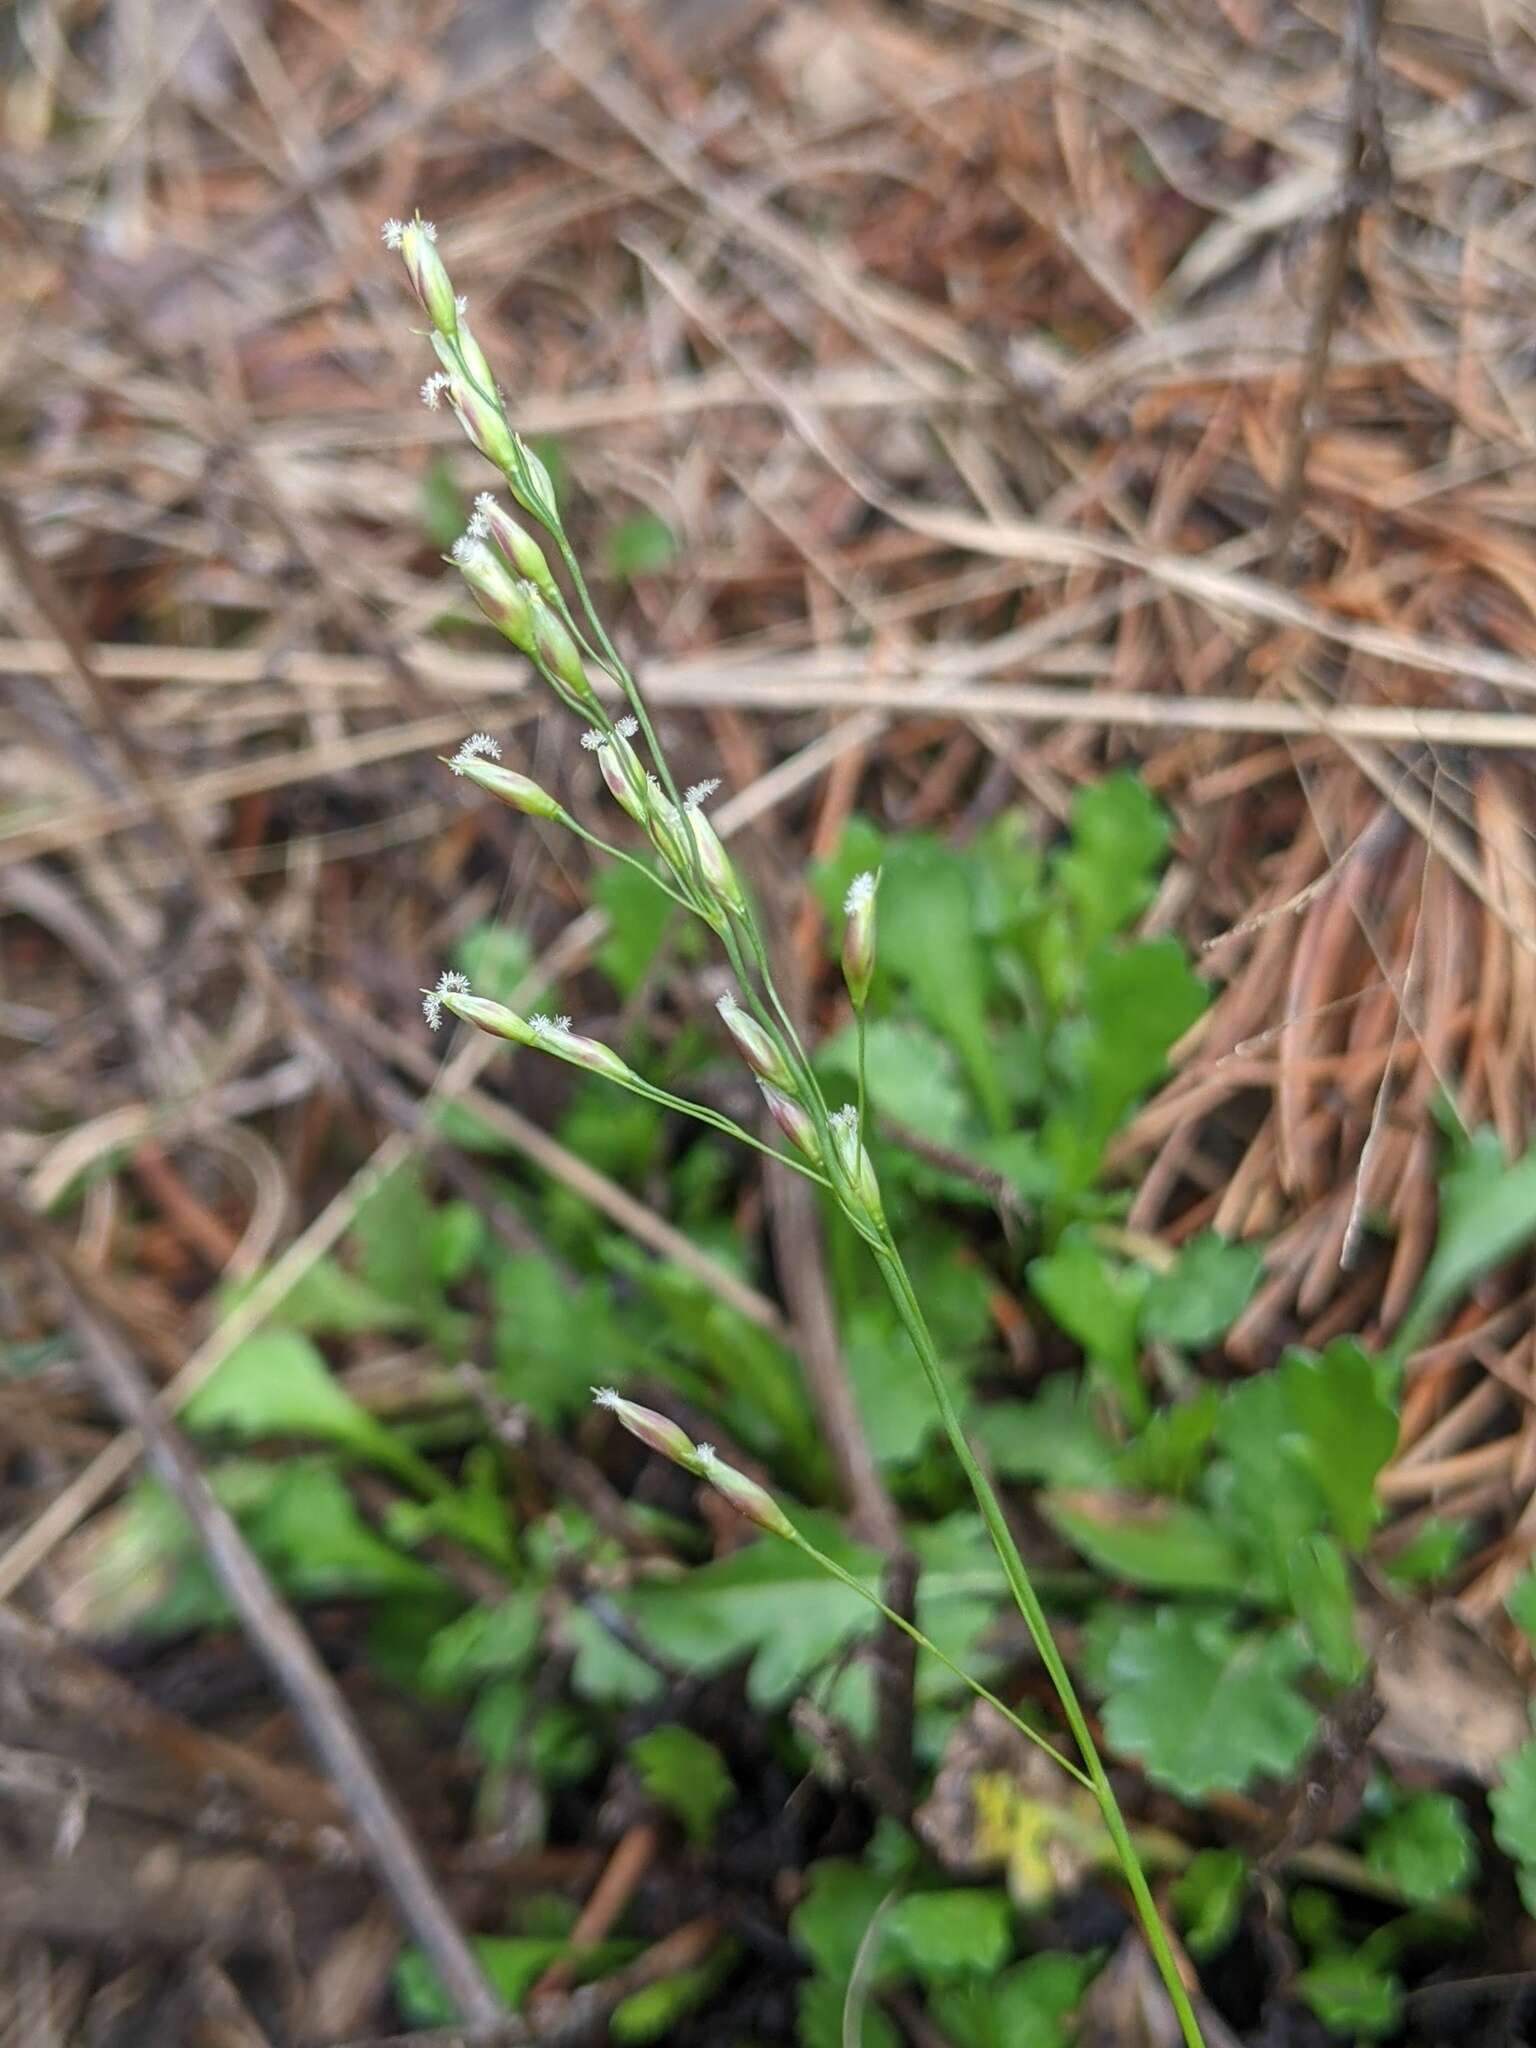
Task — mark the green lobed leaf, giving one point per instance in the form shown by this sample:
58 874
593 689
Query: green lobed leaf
911 1075
1029 2006
767 1602
1167 1546
1487 1214
1137 1003
306 1528
1324 1604
929 939
1208 1899
1352 1994
1424 1847
1170 1451
1052 1437
1203 1706
1342 1404
827 2021
1119 838
1522 1604
326 1300
513 1963
551 1341
487 1642
277 1384
1097 1300
1512 1803
1209 1286
685 1774
949 1934
1437 1546
831 1921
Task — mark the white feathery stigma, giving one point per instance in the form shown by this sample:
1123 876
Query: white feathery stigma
606 1397
485 503
464 548
845 1119
425 229
548 1027
434 387
393 232
705 1456
449 982
477 744
479 526
461 304
861 892
698 793
594 736
727 1004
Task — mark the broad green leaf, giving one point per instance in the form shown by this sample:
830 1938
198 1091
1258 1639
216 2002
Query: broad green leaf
1029 2006
1209 1286
1052 1437
1165 1545
685 1774
277 1384
1487 1215
640 546
1325 1607
1424 1847
514 1964
928 938
1119 837
1202 1705
911 1076
1353 1995
1097 1300
944 1935
1513 1805
1208 1899
767 1602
